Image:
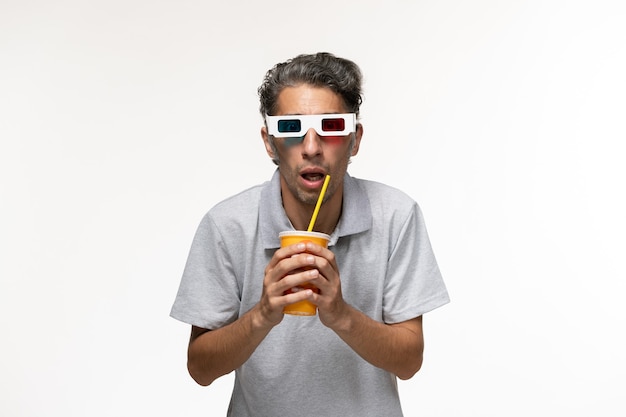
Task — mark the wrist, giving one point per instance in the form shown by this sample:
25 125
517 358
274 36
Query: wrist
260 321
344 320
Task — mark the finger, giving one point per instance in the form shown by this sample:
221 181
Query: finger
286 252
292 265
297 281
322 252
327 271
280 264
294 297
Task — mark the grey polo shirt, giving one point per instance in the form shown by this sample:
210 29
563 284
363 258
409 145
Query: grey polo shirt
387 269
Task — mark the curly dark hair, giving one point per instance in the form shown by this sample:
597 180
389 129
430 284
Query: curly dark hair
320 70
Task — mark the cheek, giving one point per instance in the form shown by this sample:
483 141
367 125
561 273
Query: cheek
291 142
334 140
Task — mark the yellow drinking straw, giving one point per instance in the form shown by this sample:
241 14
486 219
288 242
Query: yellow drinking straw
319 203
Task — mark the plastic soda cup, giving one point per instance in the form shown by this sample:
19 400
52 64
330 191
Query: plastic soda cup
305 307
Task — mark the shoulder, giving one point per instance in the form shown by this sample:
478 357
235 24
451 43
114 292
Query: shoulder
385 196
235 213
239 203
392 210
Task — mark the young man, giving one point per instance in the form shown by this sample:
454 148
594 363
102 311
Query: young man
376 278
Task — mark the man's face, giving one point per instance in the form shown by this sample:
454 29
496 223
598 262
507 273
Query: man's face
304 164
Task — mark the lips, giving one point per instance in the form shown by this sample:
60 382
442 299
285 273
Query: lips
312 177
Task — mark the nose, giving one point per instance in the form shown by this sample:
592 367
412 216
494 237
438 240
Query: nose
312 144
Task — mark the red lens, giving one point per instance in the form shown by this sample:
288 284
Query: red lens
333 125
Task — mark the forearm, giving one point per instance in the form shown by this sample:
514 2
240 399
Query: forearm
397 348
218 352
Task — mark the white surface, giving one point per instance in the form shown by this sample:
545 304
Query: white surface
122 122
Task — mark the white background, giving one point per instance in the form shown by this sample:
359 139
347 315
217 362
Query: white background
123 122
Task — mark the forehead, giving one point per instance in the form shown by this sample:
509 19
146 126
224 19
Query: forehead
307 99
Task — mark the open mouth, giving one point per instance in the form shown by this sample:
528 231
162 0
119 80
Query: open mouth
313 176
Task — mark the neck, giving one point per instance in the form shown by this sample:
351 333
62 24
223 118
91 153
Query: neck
300 214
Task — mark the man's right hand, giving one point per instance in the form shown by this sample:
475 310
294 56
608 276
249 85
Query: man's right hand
289 268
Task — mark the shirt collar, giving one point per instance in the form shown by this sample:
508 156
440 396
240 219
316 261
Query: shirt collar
356 215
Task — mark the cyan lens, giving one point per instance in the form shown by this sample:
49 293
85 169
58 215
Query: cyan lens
286 126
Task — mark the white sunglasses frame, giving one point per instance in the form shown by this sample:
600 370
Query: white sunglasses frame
308 121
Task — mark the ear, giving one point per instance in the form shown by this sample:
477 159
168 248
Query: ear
357 139
266 142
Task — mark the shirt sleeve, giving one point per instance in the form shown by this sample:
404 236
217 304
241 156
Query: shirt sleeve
414 284
208 295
